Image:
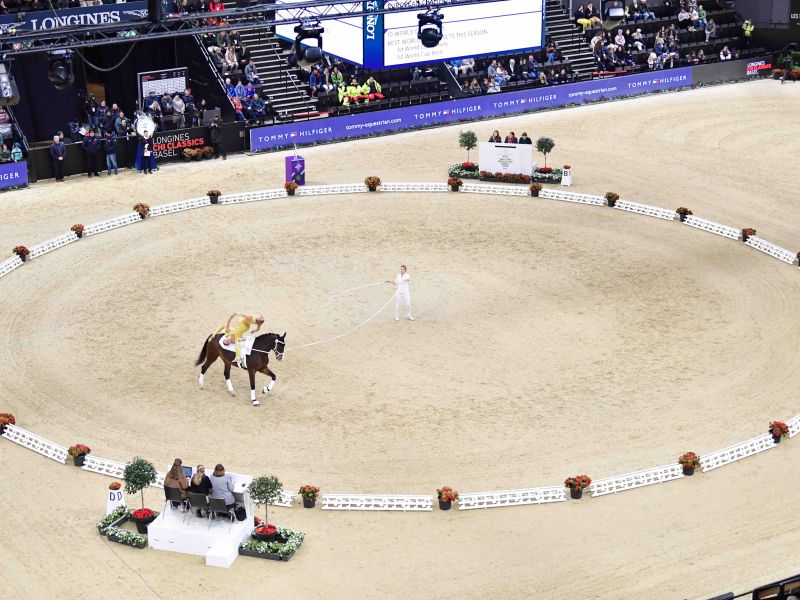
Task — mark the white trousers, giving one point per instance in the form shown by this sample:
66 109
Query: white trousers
402 298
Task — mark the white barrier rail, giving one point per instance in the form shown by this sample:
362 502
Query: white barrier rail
337 188
173 207
50 245
543 495
415 187
401 502
629 481
9 265
109 224
252 196
285 500
34 442
771 249
572 197
712 227
494 188
104 466
647 210
736 452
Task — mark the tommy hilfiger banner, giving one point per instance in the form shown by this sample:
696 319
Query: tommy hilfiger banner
488 106
13 174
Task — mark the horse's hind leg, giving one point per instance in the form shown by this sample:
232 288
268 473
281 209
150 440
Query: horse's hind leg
272 376
211 356
253 398
228 379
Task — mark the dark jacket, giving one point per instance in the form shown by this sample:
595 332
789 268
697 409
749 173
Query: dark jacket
203 488
214 133
57 150
91 144
110 144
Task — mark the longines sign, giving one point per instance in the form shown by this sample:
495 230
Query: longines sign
89 16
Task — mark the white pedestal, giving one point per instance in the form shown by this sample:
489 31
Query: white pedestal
114 499
217 540
566 177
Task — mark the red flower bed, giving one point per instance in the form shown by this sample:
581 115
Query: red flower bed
267 529
506 177
142 513
468 166
545 170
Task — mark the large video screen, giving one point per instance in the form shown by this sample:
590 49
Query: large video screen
467 31
387 41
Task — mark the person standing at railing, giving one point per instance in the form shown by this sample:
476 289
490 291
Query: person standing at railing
58 151
748 28
91 146
110 147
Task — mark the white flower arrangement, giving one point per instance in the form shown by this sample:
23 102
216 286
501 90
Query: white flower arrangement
107 521
126 537
294 539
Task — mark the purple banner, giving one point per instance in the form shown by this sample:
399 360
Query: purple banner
13 174
487 106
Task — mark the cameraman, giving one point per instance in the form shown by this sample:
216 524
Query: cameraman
215 137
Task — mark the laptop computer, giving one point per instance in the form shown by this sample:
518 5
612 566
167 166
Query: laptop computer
187 471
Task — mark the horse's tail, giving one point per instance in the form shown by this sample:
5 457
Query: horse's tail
203 352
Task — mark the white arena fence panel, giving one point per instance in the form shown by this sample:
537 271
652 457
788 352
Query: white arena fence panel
324 190
628 481
414 187
736 452
712 227
402 502
104 466
285 500
31 441
50 245
500 498
794 425
647 210
494 188
173 207
252 196
109 224
572 197
771 249
9 265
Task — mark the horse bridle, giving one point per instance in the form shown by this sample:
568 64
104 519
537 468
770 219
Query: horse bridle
279 355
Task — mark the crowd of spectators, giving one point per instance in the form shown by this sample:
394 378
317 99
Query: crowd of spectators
10 148
666 44
232 59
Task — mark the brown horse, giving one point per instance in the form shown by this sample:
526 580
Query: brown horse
257 360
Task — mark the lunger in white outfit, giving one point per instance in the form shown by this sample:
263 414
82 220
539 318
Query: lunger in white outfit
401 282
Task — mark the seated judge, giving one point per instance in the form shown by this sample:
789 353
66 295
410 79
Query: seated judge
222 486
176 478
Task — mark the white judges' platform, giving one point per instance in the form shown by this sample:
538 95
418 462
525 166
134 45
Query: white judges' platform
217 539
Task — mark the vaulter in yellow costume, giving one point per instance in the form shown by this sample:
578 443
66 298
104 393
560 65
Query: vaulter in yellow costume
241 326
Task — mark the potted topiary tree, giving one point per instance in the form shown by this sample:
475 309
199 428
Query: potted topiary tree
265 490
545 145
138 474
467 140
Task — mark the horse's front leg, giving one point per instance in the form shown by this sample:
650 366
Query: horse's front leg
273 377
253 398
228 379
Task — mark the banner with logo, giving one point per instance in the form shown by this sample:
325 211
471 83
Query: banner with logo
169 145
13 174
87 16
486 106
794 14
